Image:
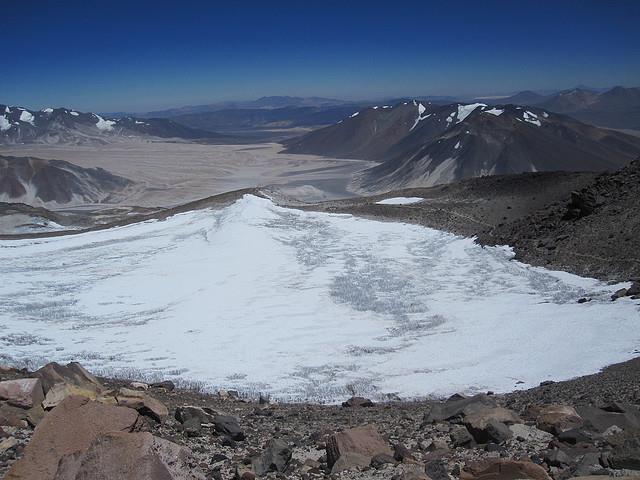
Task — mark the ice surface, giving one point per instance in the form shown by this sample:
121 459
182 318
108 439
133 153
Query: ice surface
532 118
26 117
4 123
400 200
304 305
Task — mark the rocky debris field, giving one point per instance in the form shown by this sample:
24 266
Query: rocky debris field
62 423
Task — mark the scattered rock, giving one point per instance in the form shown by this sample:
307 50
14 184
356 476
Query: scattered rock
7 443
69 429
59 391
454 408
167 385
530 434
380 460
23 393
139 386
489 424
619 294
460 436
355 447
274 458
189 412
402 453
437 470
358 402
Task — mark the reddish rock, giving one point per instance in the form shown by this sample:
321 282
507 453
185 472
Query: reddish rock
71 374
556 419
23 393
357 445
129 456
503 469
144 404
69 429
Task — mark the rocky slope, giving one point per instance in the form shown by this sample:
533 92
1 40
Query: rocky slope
102 429
35 181
65 126
584 223
425 145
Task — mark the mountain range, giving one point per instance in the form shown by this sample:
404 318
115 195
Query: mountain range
618 107
62 125
422 144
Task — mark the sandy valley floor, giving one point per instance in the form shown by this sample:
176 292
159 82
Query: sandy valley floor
175 173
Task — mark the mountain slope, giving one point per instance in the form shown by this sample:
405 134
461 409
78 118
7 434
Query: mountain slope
424 145
35 181
64 126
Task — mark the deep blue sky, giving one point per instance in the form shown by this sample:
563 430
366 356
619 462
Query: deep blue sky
140 55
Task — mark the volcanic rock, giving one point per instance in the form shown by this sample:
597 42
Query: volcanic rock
355 447
23 393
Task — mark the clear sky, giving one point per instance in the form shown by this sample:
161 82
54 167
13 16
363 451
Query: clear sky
138 55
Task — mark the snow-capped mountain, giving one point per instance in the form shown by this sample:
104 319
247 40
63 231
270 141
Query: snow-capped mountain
35 181
423 144
65 126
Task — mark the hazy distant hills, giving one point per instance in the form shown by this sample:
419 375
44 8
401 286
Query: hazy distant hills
424 144
65 126
35 181
618 107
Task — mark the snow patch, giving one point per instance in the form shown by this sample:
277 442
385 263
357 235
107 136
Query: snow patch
545 114
465 110
421 110
495 111
26 117
532 118
354 115
104 125
48 110
400 201
75 114
4 124
457 146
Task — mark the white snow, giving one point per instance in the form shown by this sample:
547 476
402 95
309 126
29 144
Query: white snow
495 111
48 110
4 124
355 114
26 117
457 146
465 110
419 118
7 110
545 114
304 305
400 201
104 125
75 114
532 118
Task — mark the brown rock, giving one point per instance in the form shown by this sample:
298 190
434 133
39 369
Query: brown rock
556 419
129 456
503 469
144 404
23 393
13 416
69 429
59 391
357 445
358 402
71 374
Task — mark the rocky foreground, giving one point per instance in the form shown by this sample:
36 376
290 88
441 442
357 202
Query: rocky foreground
62 423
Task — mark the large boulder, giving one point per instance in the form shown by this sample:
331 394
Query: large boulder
357 402
275 458
624 416
355 448
455 407
130 456
69 429
556 419
71 374
23 392
503 469
143 403
228 425
489 424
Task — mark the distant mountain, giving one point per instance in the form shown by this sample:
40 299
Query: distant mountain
262 118
261 103
65 126
37 182
424 145
618 107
